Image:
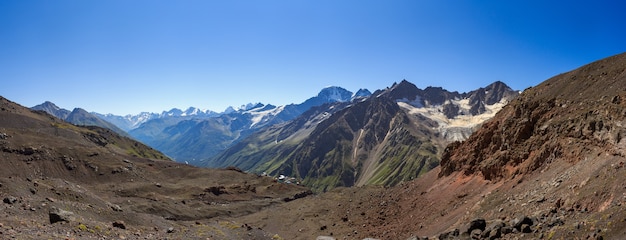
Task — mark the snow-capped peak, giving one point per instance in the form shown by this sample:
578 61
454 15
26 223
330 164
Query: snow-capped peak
362 93
335 94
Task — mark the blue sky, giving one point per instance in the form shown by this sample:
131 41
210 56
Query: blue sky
124 57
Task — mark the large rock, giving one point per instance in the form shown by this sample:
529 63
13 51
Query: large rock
10 200
494 230
60 215
478 223
518 222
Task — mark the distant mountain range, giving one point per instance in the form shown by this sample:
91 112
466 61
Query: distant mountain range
78 116
132 121
193 138
337 138
394 135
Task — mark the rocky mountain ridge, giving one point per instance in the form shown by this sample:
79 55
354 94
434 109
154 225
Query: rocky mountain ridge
394 135
549 122
78 116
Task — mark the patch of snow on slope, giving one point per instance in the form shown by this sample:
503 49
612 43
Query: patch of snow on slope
260 116
139 119
460 126
415 103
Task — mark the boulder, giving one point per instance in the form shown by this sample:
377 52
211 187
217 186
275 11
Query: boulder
506 230
518 222
476 234
494 234
115 207
119 224
10 200
478 223
60 215
494 230
453 234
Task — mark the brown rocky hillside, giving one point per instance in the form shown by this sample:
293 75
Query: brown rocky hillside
565 117
61 181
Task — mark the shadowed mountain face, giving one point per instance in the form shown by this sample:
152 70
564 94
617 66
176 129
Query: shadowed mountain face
372 142
392 136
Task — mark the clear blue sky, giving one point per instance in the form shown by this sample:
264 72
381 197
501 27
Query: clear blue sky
125 56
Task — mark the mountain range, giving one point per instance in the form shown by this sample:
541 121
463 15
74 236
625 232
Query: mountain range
337 138
395 135
548 165
130 121
192 139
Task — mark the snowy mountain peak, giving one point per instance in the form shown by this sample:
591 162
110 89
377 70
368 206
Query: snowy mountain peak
335 94
244 107
362 93
191 111
172 112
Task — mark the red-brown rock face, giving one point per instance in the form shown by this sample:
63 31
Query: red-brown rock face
563 117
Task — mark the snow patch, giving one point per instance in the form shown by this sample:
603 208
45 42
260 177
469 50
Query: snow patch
457 128
260 116
417 102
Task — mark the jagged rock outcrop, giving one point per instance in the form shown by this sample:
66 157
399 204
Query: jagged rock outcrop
560 118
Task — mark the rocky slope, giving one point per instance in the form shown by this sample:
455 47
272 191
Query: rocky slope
60 180
563 117
395 135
